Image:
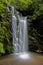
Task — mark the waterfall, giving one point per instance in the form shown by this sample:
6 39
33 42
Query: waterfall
20 39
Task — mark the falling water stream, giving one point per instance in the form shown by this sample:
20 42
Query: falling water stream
20 39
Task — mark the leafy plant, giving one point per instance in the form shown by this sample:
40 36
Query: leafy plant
2 51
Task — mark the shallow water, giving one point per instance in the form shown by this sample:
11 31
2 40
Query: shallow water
22 59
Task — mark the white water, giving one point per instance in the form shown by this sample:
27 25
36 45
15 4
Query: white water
20 39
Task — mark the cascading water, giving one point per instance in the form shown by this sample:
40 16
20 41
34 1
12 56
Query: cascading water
23 34
20 39
14 27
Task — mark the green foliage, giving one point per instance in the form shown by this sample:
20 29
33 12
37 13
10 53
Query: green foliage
5 26
2 51
22 4
36 23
